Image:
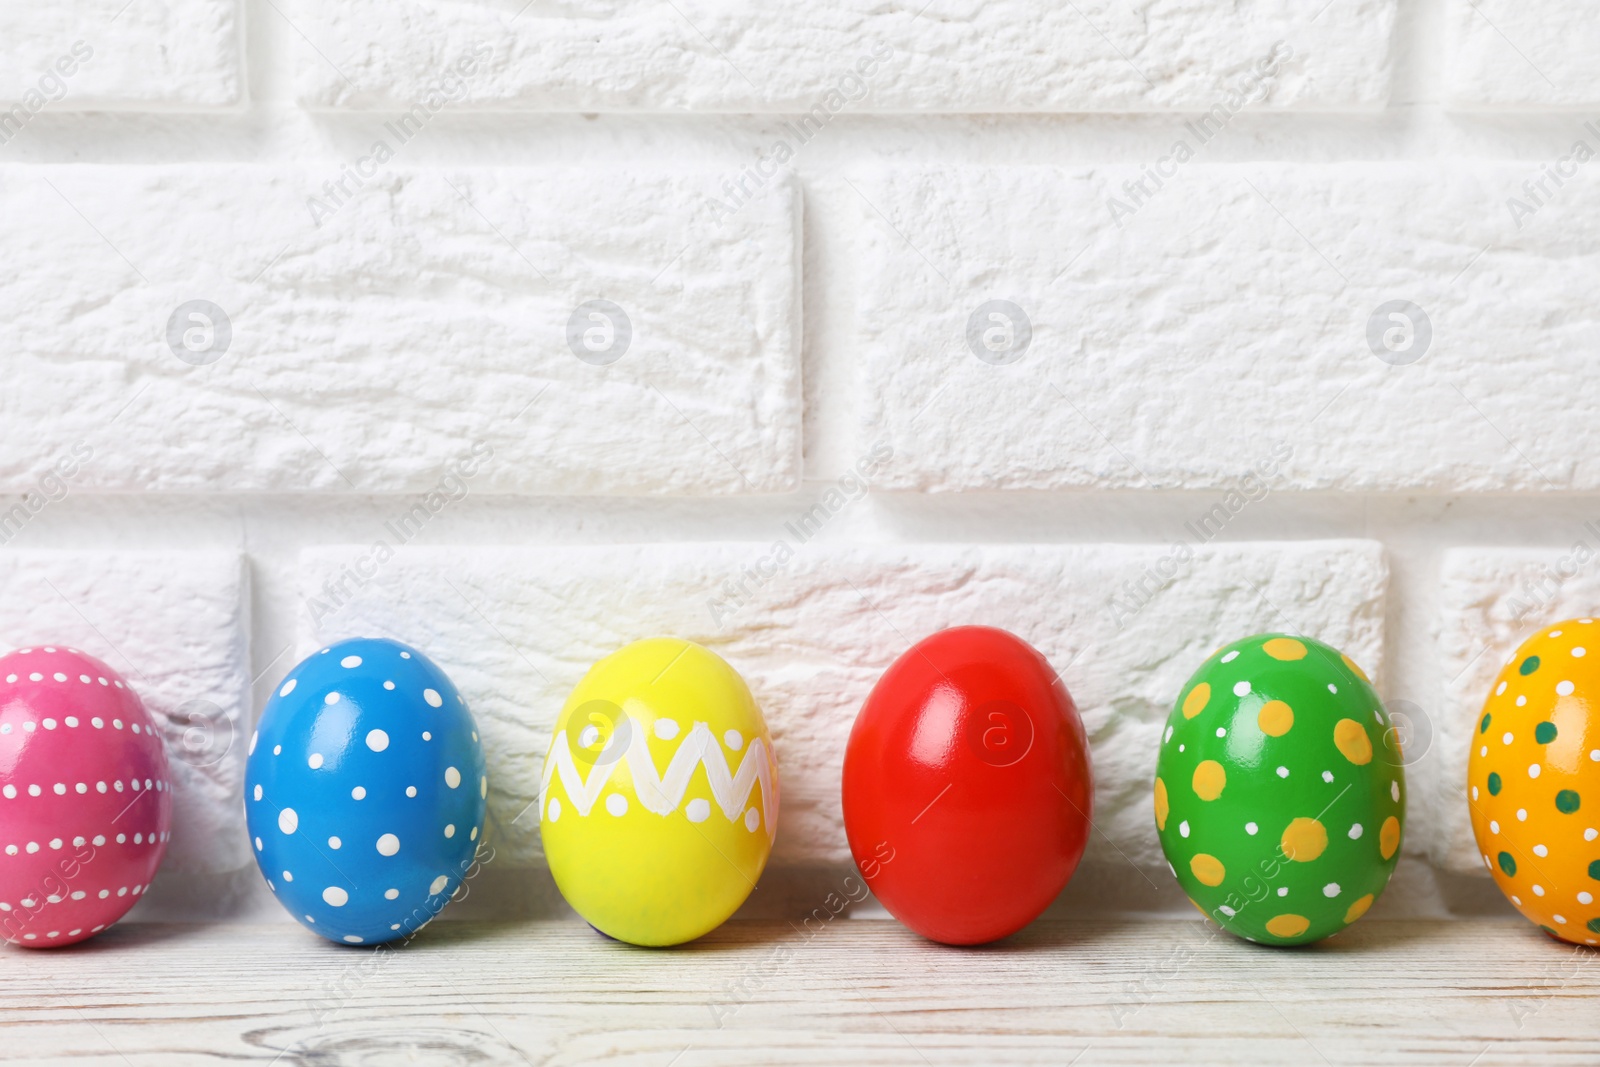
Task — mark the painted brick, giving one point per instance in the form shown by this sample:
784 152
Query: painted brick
1522 55
946 55
426 317
113 55
177 627
1227 325
1491 600
517 628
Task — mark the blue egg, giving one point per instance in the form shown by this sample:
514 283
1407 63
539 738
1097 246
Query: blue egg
365 791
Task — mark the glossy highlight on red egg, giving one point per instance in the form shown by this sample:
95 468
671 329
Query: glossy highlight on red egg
967 786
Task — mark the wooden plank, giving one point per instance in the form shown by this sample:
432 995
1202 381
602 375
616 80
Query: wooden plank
1114 991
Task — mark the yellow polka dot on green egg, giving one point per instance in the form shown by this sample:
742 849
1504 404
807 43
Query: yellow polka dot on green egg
1276 718
1284 648
1208 869
1353 742
1209 780
1287 925
1304 840
1389 837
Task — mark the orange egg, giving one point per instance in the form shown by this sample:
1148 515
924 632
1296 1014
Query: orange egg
1533 780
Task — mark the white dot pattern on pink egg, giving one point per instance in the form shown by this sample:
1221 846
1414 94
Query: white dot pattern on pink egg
75 854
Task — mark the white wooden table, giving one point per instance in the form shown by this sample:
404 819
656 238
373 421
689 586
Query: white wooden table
849 991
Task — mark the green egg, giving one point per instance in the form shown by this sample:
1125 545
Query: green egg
1280 791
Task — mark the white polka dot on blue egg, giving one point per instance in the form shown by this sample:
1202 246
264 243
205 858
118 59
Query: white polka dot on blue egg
353 793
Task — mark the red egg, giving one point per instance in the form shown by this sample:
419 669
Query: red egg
85 797
967 789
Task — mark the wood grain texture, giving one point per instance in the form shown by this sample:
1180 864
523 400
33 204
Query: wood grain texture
843 991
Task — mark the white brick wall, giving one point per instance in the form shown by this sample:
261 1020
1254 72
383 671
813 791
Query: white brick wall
924 55
1187 331
1505 54
408 259
89 55
384 327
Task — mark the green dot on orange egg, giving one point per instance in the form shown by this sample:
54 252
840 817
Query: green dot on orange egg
1508 864
1568 801
1529 665
1544 733
1494 784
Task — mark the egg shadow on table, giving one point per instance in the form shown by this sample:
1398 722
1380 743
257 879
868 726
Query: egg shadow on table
1048 934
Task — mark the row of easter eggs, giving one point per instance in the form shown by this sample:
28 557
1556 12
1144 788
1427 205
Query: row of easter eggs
967 790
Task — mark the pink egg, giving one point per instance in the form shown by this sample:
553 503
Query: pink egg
85 797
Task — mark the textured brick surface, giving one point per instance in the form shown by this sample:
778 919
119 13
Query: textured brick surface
947 55
517 628
378 336
1185 337
1523 55
177 627
111 54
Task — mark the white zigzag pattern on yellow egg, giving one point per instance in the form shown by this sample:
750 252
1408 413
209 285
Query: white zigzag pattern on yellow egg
663 794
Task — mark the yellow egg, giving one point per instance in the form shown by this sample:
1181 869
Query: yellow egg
659 800
1533 780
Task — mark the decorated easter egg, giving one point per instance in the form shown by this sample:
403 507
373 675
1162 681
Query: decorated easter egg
365 791
85 797
1280 790
1533 780
659 800
967 790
